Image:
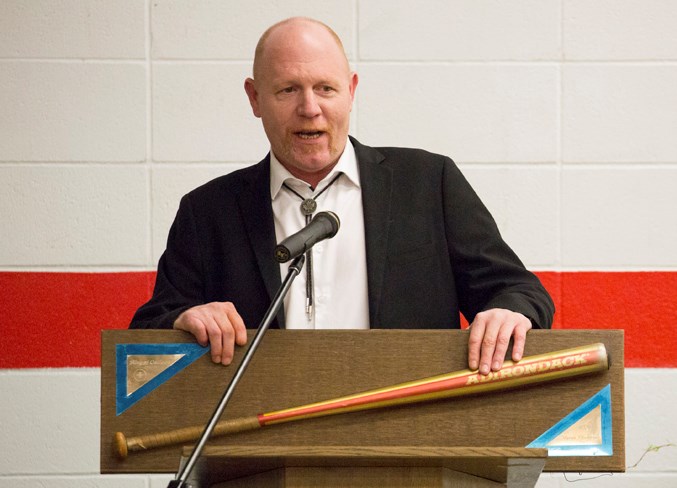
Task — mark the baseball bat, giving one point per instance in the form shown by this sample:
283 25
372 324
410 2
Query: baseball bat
529 370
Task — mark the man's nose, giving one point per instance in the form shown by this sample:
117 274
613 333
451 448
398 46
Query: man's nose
308 104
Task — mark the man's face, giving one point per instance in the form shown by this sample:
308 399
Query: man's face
303 94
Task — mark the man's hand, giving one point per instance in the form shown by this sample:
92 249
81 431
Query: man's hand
217 324
490 335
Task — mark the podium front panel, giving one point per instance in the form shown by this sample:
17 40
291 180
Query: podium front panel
293 368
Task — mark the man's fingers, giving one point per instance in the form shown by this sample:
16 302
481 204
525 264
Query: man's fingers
227 345
233 331
490 335
189 322
475 343
482 342
519 340
215 338
217 324
238 325
489 346
505 330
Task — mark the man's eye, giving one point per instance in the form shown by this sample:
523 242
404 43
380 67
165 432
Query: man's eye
289 89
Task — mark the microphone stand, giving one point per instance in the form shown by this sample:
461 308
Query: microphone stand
294 269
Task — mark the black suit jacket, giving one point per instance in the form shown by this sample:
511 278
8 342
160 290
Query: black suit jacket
432 248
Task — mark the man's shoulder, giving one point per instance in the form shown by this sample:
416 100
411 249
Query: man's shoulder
411 153
231 183
397 153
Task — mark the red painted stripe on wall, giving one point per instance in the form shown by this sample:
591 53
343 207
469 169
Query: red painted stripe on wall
642 303
55 319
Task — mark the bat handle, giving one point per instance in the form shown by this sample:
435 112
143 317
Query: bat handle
123 445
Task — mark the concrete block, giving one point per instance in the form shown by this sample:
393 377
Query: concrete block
548 480
73 215
473 113
160 481
72 111
72 29
609 480
52 416
92 481
213 29
650 421
459 30
523 201
201 113
619 113
620 30
619 217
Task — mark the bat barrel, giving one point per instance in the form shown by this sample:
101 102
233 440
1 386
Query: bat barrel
533 369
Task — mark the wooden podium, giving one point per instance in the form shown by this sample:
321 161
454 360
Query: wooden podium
477 440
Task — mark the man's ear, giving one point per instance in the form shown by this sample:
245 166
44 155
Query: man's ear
353 85
253 96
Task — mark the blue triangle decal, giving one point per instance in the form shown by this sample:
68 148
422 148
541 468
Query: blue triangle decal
141 368
584 432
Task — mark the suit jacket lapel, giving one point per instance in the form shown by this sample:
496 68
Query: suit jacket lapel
257 214
376 182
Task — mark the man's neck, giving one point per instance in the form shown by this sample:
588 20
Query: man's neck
313 179
346 164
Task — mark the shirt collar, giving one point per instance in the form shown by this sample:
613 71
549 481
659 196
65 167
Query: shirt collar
347 164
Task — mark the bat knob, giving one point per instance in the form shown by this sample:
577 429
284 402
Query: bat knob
120 445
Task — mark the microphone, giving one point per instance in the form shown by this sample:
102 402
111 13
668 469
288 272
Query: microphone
324 225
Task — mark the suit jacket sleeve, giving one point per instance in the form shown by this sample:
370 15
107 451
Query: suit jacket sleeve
180 275
487 272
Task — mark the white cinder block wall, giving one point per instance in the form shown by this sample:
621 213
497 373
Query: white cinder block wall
110 110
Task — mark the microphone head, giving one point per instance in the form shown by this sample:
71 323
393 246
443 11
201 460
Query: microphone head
333 220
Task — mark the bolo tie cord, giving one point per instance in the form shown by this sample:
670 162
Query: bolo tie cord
308 207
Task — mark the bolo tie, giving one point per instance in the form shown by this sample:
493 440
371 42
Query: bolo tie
308 207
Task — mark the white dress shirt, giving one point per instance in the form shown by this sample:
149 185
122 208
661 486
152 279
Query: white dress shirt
339 263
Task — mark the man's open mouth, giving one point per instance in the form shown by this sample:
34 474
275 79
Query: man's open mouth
309 134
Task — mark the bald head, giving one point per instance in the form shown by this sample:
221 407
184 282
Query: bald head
303 92
291 31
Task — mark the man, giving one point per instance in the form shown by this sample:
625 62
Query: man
416 246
